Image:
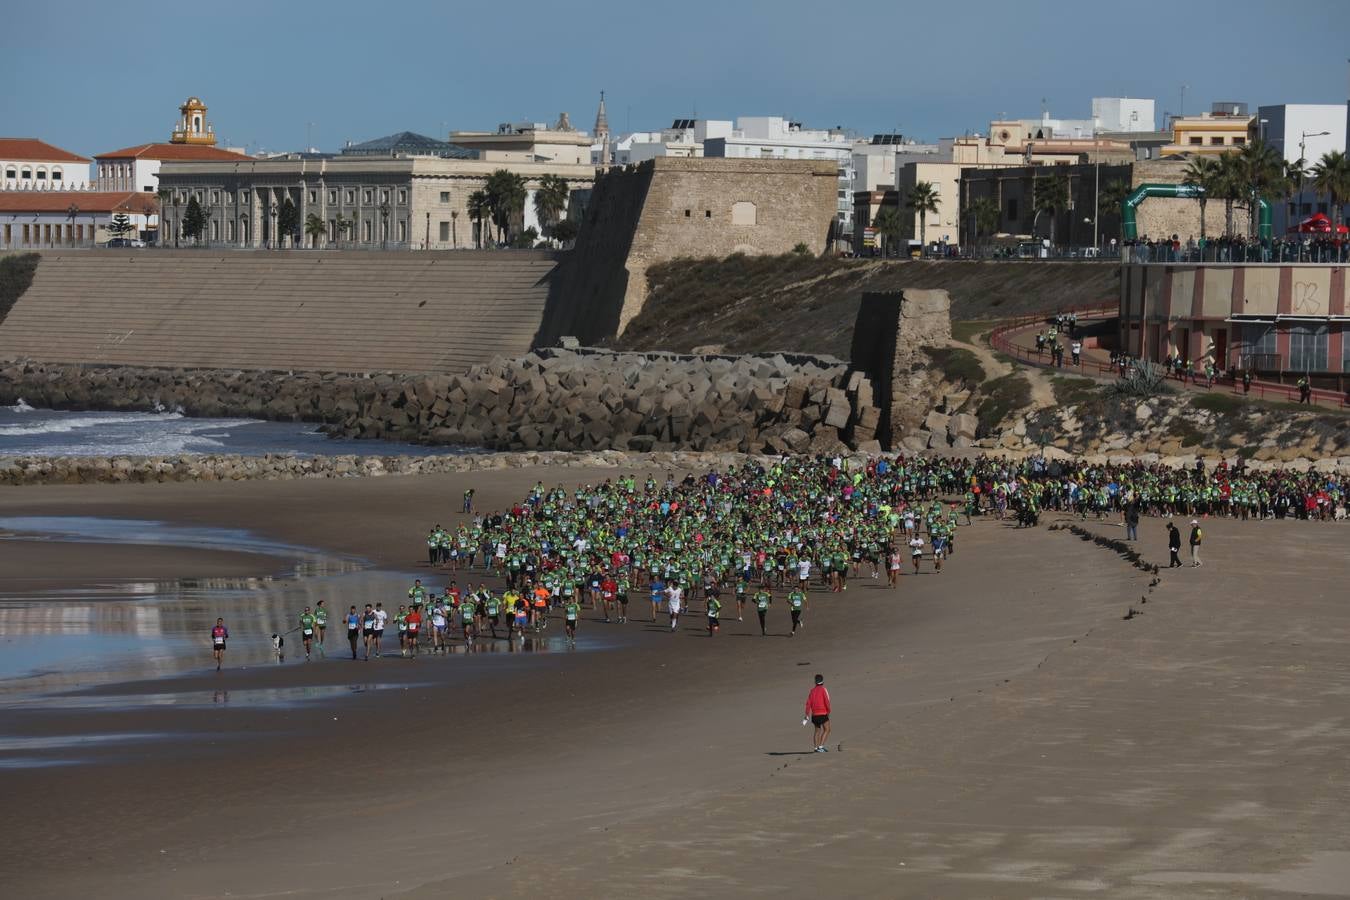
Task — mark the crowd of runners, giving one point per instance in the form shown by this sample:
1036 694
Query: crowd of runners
762 537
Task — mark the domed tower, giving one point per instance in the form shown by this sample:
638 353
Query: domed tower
192 127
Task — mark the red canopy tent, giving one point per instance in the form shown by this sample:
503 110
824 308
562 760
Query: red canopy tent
1317 223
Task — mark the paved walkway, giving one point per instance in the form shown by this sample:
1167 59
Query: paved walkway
1096 363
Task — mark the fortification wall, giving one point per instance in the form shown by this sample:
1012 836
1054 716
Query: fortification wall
889 338
322 311
668 208
1162 217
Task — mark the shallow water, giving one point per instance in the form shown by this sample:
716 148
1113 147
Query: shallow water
57 642
25 431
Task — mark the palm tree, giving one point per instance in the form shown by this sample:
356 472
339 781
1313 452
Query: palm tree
887 224
550 200
985 212
1051 195
1331 176
1228 186
1201 172
478 207
1111 201
343 225
923 198
506 200
314 229
1263 177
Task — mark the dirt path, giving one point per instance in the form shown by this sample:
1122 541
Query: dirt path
1042 395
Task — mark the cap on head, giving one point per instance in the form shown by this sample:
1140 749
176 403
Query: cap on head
820 679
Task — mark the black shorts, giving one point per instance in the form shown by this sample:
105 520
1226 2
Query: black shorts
819 720
713 621
571 623
352 633
378 633
220 647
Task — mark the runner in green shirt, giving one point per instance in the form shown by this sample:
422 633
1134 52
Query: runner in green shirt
571 612
762 600
307 622
320 623
417 594
796 600
714 607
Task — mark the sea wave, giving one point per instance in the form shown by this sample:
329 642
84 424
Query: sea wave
21 407
61 426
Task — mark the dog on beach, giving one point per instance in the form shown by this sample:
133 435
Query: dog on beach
278 645
1339 514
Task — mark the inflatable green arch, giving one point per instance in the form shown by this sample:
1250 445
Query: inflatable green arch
1130 229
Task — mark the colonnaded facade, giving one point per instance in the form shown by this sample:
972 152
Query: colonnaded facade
363 201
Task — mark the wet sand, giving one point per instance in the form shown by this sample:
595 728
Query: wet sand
1000 731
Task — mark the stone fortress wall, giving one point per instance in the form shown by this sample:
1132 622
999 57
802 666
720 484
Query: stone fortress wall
667 208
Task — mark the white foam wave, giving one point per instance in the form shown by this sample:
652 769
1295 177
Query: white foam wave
61 426
21 407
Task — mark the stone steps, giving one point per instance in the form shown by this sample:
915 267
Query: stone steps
349 312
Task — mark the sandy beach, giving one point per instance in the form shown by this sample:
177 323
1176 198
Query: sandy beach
1001 730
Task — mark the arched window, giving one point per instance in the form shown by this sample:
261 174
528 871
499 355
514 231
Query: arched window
11 173
27 173
56 173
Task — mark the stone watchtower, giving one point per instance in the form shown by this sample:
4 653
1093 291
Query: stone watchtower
888 340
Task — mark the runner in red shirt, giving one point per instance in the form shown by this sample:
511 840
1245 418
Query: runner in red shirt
609 589
414 621
818 710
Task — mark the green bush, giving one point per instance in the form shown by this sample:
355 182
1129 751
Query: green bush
1074 391
957 364
1219 404
999 398
801 249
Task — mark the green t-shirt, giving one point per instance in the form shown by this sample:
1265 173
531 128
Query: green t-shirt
714 606
306 623
571 610
763 599
321 616
796 598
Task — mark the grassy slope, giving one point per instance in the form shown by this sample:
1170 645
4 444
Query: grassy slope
808 304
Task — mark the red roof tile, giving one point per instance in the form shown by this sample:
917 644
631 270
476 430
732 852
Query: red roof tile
33 150
177 152
21 202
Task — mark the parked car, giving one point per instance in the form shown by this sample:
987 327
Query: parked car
125 242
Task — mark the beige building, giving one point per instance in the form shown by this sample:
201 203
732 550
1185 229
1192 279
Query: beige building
392 202
1209 134
559 145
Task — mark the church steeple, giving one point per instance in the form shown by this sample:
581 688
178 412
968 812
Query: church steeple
602 131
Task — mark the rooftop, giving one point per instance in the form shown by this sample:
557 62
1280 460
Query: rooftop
177 152
34 150
408 143
18 202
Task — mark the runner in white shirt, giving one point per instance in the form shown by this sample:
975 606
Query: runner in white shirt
916 551
803 571
674 600
438 623
381 617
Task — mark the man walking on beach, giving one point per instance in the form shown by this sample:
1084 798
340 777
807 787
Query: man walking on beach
1173 545
219 635
818 711
1196 537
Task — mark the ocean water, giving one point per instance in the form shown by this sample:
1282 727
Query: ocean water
25 431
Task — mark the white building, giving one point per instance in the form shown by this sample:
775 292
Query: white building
1123 114
34 219
677 140
28 164
773 137
1304 131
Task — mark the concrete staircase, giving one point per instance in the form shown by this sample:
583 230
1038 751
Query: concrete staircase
312 311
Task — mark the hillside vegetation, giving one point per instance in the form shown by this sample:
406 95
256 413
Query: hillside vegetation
808 304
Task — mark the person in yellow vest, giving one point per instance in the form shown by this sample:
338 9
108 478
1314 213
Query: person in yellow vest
1197 536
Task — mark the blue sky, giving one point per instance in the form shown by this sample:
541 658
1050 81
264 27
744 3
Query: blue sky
106 76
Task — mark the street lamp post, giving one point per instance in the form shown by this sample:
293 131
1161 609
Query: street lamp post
454 237
384 225
72 211
1303 161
